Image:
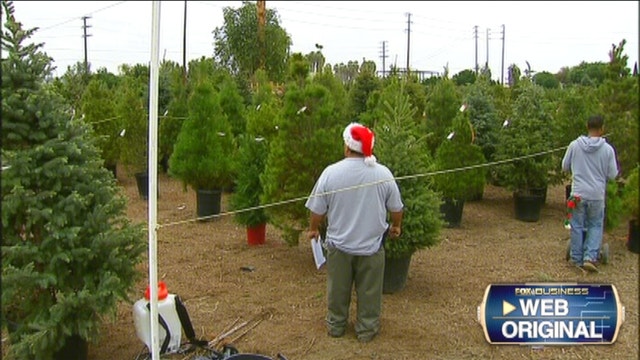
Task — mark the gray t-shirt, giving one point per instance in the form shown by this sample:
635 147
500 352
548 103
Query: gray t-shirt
355 197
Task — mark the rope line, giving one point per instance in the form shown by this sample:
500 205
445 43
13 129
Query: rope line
283 202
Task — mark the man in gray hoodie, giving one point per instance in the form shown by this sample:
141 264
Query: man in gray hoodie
592 162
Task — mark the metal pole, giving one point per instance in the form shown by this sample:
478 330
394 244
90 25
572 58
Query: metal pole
153 180
502 69
184 41
487 63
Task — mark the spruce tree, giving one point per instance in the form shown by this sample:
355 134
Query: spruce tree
69 253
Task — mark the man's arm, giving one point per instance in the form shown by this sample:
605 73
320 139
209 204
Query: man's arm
566 160
396 224
314 224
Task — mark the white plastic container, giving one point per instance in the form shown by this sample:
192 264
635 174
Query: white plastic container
166 309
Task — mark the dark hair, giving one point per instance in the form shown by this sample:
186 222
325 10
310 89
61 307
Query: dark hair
595 122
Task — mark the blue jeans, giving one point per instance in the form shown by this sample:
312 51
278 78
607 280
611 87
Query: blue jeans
588 217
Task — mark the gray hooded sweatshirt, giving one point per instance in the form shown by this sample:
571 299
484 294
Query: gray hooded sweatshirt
591 161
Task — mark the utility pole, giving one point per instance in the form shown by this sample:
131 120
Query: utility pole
502 68
85 36
486 65
184 42
262 20
408 38
384 56
476 38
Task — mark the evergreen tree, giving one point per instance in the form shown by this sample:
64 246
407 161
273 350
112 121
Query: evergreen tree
98 110
527 133
69 253
131 110
483 116
309 138
620 104
177 111
401 148
443 102
202 156
459 151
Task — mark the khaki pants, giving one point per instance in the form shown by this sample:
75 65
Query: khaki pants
367 272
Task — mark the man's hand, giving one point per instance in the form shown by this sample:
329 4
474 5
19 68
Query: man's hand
313 234
395 231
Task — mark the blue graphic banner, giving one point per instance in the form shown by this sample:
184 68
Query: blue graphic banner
547 314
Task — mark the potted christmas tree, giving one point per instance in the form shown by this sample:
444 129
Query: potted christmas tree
253 149
458 152
98 110
245 200
202 156
524 141
69 253
405 153
131 110
308 139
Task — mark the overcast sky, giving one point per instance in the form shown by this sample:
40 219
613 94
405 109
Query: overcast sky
549 35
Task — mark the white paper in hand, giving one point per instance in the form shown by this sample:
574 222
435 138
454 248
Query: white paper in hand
318 255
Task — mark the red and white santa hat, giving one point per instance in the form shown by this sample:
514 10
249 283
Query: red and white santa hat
360 138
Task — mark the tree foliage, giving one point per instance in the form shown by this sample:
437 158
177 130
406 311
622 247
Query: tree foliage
620 105
98 110
457 152
443 102
403 150
308 139
69 253
527 133
236 42
202 156
130 108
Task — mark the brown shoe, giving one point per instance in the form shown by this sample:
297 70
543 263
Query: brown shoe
590 266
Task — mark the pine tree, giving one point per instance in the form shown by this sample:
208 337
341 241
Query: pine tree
443 102
202 154
456 152
309 138
527 133
98 109
399 146
620 102
69 253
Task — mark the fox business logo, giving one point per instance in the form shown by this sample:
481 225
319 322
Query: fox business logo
547 314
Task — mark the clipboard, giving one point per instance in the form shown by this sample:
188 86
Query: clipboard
318 255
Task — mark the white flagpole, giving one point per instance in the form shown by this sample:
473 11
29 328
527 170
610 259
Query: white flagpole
153 180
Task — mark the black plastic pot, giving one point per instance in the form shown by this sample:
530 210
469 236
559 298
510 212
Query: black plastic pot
113 169
208 203
452 211
396 271
633 238
75 348
528 206
142 180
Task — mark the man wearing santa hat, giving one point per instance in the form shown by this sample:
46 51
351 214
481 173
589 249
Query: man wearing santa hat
355 195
